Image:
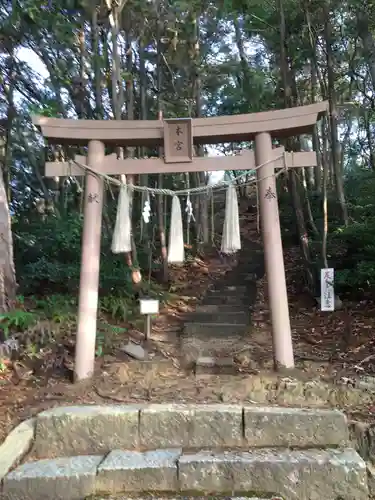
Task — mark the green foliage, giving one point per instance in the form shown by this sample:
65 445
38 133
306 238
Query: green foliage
58 308
48 258
117 307
354 246
17 320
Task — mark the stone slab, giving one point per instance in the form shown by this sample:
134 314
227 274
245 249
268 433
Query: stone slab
86 430
295 475
134 350
214 329
16 445
228 291
215 366
371 479
216 426
193 346
223 308
225 299
235 318
137 472
165 426
191 426
371 440
295 427
210 497
69 478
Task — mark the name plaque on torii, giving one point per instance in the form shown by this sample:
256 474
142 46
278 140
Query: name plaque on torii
178 140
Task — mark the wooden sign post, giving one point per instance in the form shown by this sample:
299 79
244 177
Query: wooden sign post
179 137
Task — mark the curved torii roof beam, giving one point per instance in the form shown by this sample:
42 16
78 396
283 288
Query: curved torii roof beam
279 123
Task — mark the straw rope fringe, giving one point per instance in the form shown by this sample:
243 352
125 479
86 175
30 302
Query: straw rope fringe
198 190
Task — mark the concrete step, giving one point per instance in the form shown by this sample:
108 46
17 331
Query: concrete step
193 347
292 474
179 497
207 365
215 330
223 308
96 429
298 454
235 318
219 299
228 289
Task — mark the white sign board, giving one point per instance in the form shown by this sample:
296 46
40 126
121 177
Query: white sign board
327 291
149 306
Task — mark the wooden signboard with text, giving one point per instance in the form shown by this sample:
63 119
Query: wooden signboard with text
178 140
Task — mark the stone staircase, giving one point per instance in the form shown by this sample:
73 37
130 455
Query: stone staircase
182 451
220 323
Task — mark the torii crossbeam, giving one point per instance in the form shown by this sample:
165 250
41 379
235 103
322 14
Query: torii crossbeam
178 137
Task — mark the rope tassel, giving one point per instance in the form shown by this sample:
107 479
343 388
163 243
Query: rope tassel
121 240
176 252
231 241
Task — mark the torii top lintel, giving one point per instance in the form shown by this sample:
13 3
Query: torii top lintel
279 123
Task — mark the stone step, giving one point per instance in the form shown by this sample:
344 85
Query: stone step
236 318
208 365
214 330
96 430
219 299
194 346
178 497
291 474
228 290
223 308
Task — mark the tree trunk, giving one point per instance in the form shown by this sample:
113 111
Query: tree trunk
160 202
203 197
368 42
286 78
99 112
8 285
333 115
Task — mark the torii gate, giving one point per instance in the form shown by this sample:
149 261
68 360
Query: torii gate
178 137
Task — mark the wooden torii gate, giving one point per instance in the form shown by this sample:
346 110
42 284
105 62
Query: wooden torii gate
178 137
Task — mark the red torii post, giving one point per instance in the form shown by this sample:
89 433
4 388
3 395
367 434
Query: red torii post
260 127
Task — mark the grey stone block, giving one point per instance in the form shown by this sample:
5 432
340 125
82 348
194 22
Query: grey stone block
216 425
219 330
86 430
371 479
225 299
295 427
191 426
71 478
359 436
215 366
234 318
371 440
211 497
209 344
16 445
229 291
165 426
295 475
223 308
193 347
136 472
